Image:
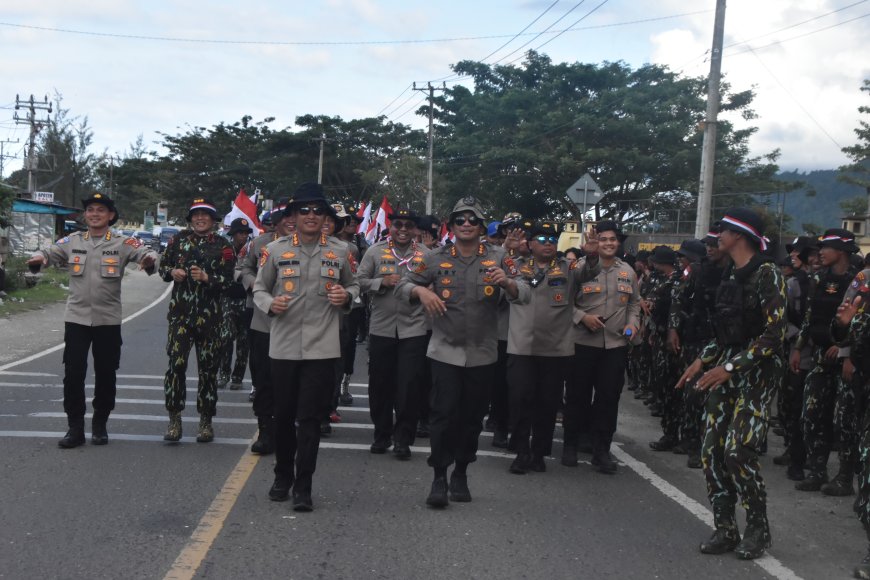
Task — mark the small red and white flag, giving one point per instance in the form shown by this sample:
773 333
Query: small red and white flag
245 207
365 212
445 234
381 222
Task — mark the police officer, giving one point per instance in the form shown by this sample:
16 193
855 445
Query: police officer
96 260
261 373
304 281
467 279
200 264
397 336
744 369
826 291
605 317
236 319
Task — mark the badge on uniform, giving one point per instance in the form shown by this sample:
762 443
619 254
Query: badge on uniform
288 255
330 255
488 290
264 257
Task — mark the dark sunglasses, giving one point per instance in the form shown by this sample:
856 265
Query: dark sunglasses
305 210
546 239
403 225
461 220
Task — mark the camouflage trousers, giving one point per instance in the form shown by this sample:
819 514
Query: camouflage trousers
234 331
666 367
819 403
640 363
183 336
737 415
862 503
693 400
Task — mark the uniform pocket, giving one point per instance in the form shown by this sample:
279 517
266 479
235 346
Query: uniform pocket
329 276
110 268
288 278
77 265
487 292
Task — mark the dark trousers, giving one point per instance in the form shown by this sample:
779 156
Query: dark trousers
303 393
261 374
106 341
535 390
592 396
457 405
425 385
396 367
499 406
792 396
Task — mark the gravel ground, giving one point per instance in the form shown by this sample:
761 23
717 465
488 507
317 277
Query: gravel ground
25 333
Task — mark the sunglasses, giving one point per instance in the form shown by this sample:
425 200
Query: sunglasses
546 239
403 225
317 210
461 220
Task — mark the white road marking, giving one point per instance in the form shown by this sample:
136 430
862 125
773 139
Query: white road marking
24 374
124 437
767 562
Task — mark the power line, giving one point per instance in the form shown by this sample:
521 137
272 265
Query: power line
539 47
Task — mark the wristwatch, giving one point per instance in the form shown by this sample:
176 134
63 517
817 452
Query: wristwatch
729 367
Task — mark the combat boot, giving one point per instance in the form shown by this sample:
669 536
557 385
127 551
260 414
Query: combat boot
75 436
99 435
206 431
756 538
862 570
726 537
665 443
812 482
569 456
345 398
693 461
458 487
265 443
173 432
784 459
438 494
841 485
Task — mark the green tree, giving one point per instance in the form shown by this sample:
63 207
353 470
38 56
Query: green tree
854 206
858 172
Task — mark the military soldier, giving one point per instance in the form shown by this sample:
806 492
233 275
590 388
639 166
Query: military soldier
606 318
261 373
96 260
826 291
199 263
236 322
304 281
640 358
467 279
744 365
397 337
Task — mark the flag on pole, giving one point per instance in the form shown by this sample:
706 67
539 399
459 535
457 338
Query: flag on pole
381 222
445 234
244 207
365 212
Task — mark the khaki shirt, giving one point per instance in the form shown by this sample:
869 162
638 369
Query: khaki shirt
613 294
466 335
543 326
391 316
246 273
96 267
309 328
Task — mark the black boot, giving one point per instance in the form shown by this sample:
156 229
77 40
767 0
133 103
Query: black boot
727 536
459 487
265 443
756 538
841 485
75 436
812 482
438 494
666 443
569 456
99 435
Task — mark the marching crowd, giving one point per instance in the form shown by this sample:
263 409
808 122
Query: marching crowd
498 328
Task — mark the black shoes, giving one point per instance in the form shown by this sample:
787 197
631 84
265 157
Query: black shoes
812 482
280 490
75 437
401 451
438 494
380 446
265 444
459 488
756 540
795 473
99 435
841 485
302 501
666 443
722 541
694 461
604 463
423 429
538 464
500 439
569 456
784 459
520 465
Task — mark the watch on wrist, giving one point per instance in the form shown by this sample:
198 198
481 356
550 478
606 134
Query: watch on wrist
729 367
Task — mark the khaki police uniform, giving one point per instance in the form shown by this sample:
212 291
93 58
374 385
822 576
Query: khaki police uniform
304 343
397 344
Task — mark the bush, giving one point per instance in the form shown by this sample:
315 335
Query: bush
17 274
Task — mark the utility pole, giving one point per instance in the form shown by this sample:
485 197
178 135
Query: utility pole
431 90
31 107
708 152
3 156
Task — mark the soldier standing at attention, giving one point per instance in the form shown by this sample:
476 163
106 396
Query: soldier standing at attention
468 278
304 282
236 322
199 263
606 317
96 260
397 337
744 365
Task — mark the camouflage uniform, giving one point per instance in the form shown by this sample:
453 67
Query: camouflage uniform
666 365
737 412
194 314
641 356
234 330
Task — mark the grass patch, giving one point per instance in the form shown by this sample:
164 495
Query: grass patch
51 287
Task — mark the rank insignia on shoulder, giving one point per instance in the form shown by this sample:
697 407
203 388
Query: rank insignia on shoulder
264 257
352 261
330 255
133 242
860 277
420 268
573 265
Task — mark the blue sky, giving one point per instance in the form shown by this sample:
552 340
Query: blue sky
807 62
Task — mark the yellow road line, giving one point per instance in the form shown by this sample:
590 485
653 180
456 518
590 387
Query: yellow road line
189 560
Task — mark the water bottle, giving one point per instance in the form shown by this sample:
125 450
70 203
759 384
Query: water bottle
628 333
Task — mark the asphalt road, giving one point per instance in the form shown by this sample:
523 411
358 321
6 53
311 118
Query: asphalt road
142 508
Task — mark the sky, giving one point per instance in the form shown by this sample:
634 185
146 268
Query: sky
142 68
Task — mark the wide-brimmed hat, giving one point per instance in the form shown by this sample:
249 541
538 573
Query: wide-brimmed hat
663 255
839 239
692 249
240 225
204 204
745 221
306 194
712 237
106 201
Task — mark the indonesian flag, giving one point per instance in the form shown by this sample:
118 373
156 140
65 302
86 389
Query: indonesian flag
381 223
245 207
445 234
365 212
